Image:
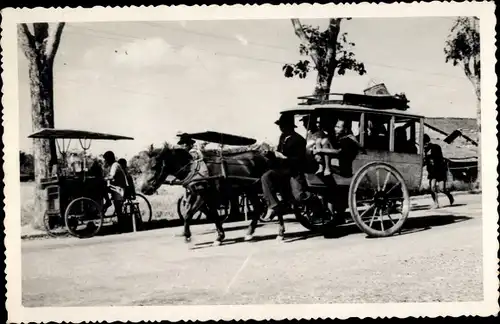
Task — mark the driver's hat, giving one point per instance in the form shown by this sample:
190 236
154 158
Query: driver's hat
286 119
185 139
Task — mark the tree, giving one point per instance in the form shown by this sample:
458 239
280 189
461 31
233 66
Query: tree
40 47
462 48
330 52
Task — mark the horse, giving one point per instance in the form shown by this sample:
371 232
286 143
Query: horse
243 171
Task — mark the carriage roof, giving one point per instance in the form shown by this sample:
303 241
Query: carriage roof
53 133
348 102
220 138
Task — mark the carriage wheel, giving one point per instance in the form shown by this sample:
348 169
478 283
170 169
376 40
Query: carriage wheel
83 217
314 217
54 226
379 201
144 208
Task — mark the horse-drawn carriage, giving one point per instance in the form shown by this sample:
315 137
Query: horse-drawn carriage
376 193
74 193
234 205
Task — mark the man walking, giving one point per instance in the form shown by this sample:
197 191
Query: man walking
436 169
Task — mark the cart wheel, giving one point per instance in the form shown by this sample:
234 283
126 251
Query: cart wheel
314 216
379 201
54 226
83 217
144 207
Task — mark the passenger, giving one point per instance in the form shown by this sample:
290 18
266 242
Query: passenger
376 135
291 152
346 148
130 193
96 171
436 169
198 156
313 131
117 185
326 141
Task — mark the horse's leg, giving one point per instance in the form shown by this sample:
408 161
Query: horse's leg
212 213
256 203
281 230
195 207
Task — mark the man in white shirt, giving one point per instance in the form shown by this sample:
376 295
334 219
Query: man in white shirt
117 185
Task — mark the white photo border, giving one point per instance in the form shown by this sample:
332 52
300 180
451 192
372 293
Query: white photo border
18 313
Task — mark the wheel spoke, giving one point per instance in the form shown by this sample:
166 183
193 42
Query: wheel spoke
386 180
389 215
378 181
371 206
396 185
381 220
373 217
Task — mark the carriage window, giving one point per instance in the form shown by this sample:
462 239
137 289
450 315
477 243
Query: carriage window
405 140
377 132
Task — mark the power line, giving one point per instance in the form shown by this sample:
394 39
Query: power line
275 61
190 31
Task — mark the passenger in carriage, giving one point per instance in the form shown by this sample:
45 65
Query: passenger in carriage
346 148
97 172
376 135
325 141
313 131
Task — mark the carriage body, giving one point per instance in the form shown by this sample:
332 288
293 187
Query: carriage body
392 151
73 197
401 146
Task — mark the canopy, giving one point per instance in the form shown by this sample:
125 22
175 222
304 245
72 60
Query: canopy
52 133
220 138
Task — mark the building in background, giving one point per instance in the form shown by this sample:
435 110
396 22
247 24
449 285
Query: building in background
458 138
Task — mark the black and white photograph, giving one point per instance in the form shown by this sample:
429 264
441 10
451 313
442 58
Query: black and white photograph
288 161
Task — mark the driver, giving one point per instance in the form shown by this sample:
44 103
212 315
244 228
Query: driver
291 153
117 185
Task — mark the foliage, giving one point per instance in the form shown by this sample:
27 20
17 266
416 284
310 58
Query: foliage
330 51
138 161
26 165
463 48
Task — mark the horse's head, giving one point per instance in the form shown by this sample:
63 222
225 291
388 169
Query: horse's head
159 164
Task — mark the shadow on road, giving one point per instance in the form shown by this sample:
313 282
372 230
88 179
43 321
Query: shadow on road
428 207
257 238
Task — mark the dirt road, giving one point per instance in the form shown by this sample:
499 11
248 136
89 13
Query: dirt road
439 258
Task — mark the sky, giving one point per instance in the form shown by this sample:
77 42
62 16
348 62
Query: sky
150 80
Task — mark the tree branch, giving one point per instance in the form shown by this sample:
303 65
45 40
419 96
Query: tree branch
333 33
53 41
299 31
27 41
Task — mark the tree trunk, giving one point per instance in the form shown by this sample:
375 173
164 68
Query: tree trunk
323 84
39 48
42 114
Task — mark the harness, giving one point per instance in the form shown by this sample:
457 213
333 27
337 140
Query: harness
195 171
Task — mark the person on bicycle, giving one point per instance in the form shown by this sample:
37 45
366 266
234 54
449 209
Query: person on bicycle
117 185
130 193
